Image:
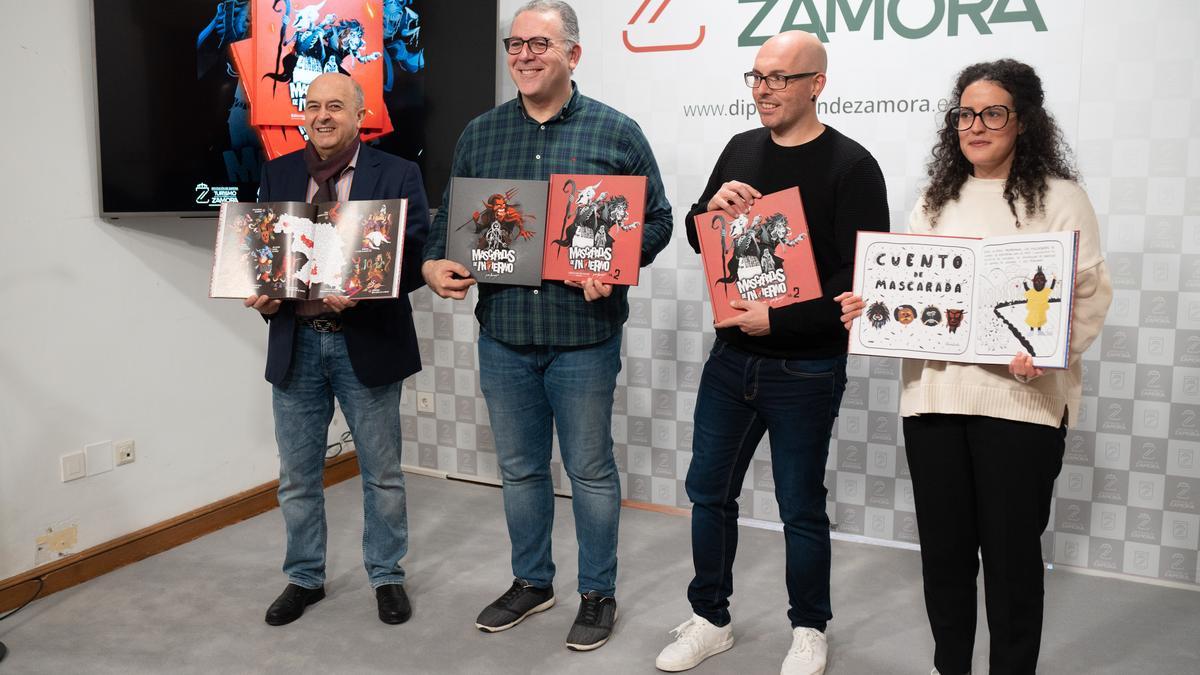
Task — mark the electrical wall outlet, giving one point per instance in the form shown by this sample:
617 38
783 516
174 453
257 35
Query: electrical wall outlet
425 402
125 452
74 466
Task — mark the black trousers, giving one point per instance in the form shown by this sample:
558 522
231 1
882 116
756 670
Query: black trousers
983 484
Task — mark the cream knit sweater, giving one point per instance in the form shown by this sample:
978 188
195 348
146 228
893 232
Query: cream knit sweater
941 387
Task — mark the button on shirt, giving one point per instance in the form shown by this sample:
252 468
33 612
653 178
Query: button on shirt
585 137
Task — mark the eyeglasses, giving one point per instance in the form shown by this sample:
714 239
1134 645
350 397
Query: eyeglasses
995 117
775 82
537 45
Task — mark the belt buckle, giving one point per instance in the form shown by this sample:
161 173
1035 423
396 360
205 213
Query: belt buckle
325 325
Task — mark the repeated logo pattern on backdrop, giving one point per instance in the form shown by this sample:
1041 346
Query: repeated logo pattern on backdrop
1128 498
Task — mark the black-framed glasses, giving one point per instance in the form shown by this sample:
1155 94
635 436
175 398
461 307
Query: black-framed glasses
774 81
994 117
537 45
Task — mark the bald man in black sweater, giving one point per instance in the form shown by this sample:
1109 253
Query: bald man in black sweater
777 370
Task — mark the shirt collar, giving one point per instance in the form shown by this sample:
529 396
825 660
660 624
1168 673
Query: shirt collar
569 108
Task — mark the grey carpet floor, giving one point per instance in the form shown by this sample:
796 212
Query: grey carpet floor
198 608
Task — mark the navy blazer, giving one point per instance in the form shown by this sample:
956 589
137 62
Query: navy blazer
380 336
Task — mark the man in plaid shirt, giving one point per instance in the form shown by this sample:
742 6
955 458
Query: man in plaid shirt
549 356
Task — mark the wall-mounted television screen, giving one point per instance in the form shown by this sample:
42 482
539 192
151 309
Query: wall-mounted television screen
190 91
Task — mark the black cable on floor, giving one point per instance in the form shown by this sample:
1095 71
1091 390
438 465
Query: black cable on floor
41 584
337 446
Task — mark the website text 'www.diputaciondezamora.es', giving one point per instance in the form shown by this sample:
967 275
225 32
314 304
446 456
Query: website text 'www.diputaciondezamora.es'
838 105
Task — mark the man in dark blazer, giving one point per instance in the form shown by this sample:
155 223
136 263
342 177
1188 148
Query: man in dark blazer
358 353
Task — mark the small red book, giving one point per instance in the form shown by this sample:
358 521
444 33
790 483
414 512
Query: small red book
765 255
594 228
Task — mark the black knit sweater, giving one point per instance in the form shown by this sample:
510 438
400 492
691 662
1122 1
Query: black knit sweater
843 191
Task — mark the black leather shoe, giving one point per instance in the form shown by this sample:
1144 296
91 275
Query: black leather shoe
393 604
291 603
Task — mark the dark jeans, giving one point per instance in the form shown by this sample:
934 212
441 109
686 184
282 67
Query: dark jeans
983 484
741 397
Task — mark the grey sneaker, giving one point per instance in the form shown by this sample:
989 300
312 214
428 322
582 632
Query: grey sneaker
594 622
510 609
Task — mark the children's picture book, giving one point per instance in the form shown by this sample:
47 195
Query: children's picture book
764 255
294 42
495 228
594 228
302 251
963 299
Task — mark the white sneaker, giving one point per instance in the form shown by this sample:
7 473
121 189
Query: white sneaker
695 640
808 653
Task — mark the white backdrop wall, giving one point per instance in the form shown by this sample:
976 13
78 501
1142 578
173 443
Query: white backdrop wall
1124 84
107 332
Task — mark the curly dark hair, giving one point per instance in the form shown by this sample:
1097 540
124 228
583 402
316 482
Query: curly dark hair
1041 151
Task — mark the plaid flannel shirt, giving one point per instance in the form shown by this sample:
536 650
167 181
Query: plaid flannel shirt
585 137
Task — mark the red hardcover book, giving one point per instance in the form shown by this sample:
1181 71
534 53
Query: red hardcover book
294 42
764 255
594 228
279 141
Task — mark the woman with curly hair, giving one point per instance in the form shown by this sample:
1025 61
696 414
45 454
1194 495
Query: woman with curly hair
985 443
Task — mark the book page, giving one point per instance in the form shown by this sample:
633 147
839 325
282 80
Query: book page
357 249
1023 301
918 293
254 250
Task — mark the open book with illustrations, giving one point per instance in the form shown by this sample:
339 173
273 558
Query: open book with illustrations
962 299
764 255
307 251
495 229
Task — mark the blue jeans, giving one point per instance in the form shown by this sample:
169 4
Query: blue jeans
530 390
741 397
303 407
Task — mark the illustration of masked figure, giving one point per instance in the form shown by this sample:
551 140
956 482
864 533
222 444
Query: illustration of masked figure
230 23
401 40
754 246
495 237
500 223
768 262
376 228
319 45
1037 300
595 216
585 218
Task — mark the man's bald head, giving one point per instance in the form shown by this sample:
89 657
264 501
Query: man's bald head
803 50
343 83
333 113
787 104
